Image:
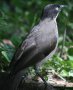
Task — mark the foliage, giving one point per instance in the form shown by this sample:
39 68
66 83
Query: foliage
17 17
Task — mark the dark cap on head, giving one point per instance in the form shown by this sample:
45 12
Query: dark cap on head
51 11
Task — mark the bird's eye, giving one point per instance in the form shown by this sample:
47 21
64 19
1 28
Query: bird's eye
57 8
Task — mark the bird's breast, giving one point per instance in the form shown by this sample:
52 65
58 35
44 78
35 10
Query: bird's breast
47 37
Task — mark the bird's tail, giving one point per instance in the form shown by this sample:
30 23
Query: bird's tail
15 80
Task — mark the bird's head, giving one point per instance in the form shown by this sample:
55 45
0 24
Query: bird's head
51 11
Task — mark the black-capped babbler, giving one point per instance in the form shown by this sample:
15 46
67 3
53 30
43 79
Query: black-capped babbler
39 45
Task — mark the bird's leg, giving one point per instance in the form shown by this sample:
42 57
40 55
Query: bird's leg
47 86
38 73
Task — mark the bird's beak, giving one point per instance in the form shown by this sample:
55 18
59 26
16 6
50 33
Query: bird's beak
62 6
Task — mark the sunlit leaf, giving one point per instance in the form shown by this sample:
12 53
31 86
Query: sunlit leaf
5 55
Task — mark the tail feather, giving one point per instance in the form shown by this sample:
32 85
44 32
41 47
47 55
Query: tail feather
14 80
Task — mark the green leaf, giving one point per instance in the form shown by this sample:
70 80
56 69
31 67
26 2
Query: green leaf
5 55
70 51
71 73
64 73
70 57
71 25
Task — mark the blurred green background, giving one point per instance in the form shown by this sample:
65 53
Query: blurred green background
17 17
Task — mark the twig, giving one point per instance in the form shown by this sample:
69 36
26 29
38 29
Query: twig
63 44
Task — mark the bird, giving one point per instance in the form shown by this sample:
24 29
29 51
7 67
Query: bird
40 44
